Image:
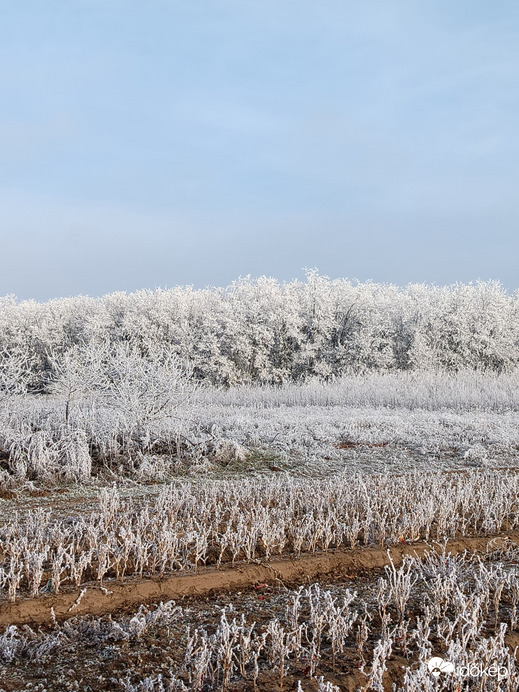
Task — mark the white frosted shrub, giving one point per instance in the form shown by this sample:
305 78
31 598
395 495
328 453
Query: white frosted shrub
75 461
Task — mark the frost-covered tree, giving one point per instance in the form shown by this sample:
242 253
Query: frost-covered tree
145 390
142 388
77 374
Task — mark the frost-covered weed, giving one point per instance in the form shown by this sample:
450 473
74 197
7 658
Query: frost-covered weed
186 526
154 684
239 650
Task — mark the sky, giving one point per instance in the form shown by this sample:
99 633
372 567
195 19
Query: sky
159 143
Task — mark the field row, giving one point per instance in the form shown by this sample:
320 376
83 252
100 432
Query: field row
369 634
185 527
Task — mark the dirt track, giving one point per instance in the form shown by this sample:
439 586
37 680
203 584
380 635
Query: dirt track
115 596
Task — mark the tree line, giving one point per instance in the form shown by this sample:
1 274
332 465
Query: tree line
266 331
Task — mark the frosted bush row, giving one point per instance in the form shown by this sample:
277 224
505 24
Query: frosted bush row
463 391
185 526
465 608
265 331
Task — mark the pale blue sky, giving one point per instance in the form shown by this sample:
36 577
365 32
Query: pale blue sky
162 142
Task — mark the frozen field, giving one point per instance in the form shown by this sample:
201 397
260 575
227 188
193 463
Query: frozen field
168 526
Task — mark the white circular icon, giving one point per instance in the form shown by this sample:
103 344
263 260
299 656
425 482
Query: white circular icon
438 665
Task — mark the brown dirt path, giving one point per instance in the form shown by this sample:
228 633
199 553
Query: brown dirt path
113 596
